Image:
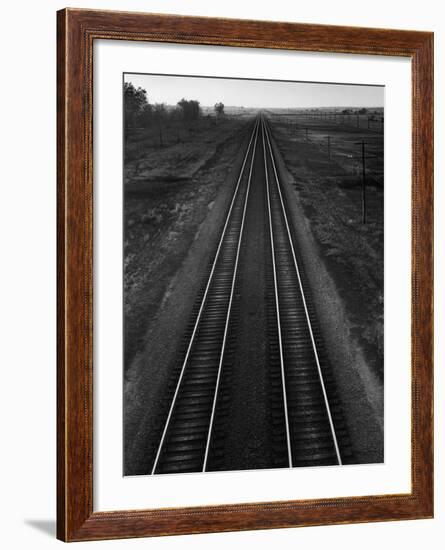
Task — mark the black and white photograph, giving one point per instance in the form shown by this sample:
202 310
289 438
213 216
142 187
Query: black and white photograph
221 237
253 274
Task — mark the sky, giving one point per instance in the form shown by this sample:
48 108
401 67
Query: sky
255 93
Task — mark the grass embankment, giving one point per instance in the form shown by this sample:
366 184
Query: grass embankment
168 190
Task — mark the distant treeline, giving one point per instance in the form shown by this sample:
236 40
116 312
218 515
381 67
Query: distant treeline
139 112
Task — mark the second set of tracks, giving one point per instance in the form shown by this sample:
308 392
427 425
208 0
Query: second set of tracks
306 416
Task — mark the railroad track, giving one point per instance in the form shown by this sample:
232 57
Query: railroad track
308 428
187 434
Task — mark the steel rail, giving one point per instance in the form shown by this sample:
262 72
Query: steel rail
226 327
172 406
297 269
277 305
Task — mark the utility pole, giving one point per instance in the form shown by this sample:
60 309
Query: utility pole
363 183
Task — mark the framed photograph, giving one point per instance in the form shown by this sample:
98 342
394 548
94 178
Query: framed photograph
245 227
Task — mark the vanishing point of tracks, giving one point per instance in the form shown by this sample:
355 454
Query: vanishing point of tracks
308 428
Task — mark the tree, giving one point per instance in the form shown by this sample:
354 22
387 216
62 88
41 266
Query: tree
159 111
146 115
219 109
159 115
191 109
135 102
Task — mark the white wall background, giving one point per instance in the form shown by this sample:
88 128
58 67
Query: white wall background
27 217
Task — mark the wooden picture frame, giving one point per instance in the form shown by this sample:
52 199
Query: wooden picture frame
77 31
